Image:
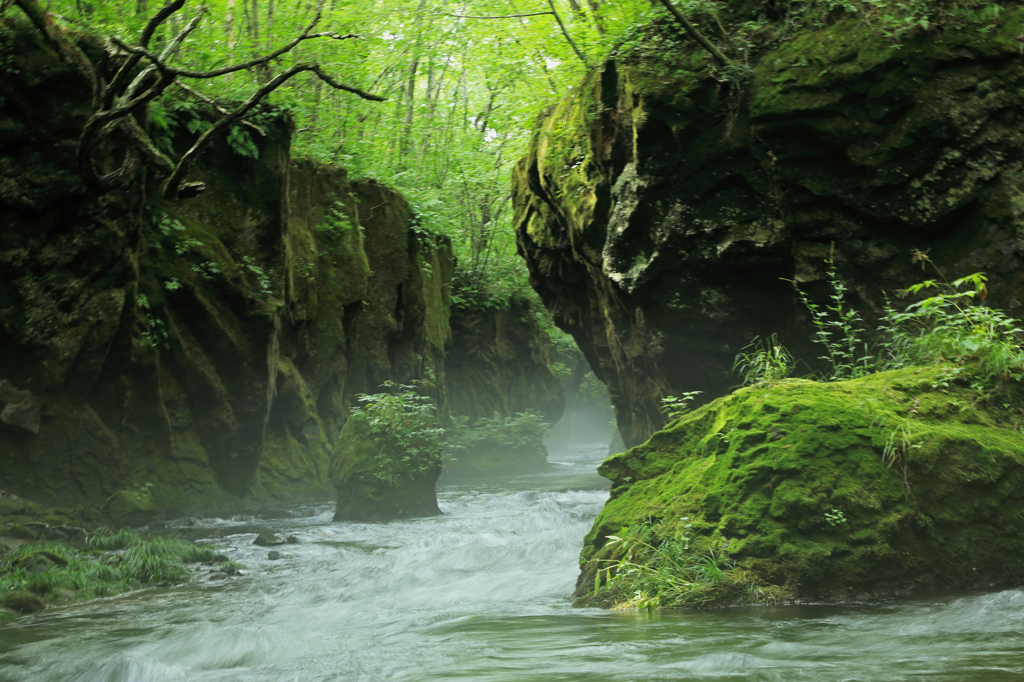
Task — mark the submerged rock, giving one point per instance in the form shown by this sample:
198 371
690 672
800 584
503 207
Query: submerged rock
267 540
807 490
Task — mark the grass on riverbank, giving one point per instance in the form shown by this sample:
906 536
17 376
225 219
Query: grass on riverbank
112 562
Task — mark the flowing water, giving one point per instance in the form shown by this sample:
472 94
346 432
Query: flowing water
482 593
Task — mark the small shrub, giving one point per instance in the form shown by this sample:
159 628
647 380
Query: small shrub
954 325
839 329
765 364
523 430
404 425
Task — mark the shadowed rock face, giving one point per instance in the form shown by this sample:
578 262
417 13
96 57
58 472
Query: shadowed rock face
660 214
210 347
500 363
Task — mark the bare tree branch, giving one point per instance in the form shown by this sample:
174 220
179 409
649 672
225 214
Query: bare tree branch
115 103
695 34
122 75
171 189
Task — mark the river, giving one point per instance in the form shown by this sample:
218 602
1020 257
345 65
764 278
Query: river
482 592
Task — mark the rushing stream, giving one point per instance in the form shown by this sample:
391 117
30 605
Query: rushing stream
483 593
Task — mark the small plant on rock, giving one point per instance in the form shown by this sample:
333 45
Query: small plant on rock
404 425
954 325
675 407
839 329
766 363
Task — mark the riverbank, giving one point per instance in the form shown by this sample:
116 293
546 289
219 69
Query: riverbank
52 556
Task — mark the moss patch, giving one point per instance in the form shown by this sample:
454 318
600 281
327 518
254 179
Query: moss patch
827 490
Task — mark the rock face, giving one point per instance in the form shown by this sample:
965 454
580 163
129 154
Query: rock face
659 213
501 362
827 491
210 347
500 365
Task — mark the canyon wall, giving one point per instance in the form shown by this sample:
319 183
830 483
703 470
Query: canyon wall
665 214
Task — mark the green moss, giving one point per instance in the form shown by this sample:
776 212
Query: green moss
133 506
752 476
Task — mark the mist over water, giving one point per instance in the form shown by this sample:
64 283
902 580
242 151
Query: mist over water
483 593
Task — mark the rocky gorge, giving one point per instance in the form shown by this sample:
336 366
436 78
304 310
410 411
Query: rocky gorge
165 357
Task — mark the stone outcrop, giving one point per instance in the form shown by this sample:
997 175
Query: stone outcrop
204 351
895 482
661 212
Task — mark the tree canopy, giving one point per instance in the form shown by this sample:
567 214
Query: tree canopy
463 82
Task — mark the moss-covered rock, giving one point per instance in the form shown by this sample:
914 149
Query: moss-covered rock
660 209
133 507
501 363
22 602
368 490
898 481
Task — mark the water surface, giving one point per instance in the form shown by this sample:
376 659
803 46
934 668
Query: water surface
483 593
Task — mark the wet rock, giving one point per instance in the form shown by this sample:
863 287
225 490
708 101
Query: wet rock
134 507
22 602
292 540
71 533
664 239
10 543
267 540
20 532
12 504
19 409
274 556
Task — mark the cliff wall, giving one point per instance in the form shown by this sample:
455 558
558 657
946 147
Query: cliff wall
210 347
660 211
501 362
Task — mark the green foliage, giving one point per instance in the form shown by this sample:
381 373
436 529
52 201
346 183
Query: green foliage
834 517
241 143
675 407
766 363
116 561
672 565
154 335
263 289
839 329
523 430
405 428
335 222
955 325
109 540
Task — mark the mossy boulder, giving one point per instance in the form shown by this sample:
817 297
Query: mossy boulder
133 507
22 602
366 491
895 482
